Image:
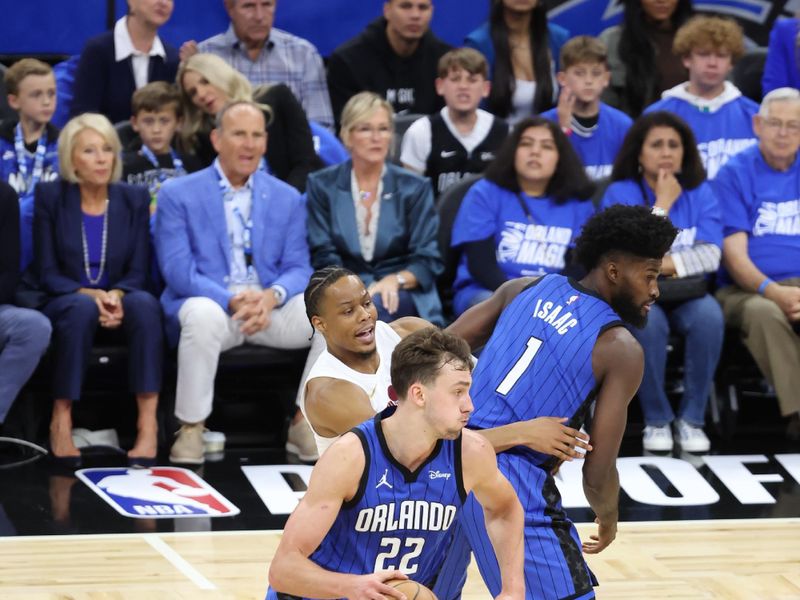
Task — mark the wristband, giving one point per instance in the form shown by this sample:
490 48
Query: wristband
763 287
658 211
567 131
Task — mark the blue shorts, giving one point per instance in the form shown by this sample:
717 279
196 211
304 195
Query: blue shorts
554 564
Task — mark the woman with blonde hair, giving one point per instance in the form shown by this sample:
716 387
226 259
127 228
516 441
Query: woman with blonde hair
91 238
207 83
375 218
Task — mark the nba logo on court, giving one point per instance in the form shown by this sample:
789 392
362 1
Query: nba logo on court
157 493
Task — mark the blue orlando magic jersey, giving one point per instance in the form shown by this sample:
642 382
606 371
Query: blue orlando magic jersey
398 519
541 356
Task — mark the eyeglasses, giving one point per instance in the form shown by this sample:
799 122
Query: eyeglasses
369 131
792 127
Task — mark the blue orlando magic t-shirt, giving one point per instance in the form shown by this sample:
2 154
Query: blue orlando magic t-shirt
721 134
765 204
696 212
598 148
525 244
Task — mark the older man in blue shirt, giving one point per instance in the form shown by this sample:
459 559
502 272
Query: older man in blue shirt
231 244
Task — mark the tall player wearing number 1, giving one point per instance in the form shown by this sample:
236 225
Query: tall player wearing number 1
383 497
557 346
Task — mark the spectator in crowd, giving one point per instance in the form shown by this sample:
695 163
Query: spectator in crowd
640 53
97 279
595 129
396 56
522 48
781 68
523 217
29 143
246 287
116 63
461 138
24 333
207 83
719 116
375 218
266 54
156 116
659 167
760 284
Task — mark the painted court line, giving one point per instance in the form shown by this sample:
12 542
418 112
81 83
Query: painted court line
178 562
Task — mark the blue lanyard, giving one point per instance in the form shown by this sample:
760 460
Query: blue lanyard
22 163
177 163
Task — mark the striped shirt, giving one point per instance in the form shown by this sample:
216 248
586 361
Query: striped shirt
285 58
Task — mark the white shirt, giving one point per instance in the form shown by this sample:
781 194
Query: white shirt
417 140
238 210
522 101
366 239
123 48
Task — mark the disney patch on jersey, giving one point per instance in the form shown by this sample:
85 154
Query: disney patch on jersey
157 493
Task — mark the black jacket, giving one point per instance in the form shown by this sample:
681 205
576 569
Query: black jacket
9 242
368 63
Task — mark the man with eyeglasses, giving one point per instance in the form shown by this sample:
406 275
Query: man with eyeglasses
759 192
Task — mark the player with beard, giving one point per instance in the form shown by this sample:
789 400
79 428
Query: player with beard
558 345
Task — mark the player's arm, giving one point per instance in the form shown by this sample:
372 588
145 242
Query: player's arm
334 480
334 406
501 509
477 323
618 364
548 435
408 325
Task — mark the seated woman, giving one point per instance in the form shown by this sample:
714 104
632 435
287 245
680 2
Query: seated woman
207 83
524 215
659 166
91 240
640 53
375 218
521 48
782 67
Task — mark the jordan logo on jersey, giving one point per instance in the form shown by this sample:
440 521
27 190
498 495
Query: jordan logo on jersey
383 480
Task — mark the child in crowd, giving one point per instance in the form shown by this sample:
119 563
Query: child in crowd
461 138
156 117
595 129
720 117
29 143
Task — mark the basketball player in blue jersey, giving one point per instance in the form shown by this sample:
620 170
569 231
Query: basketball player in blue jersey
557 346
382 499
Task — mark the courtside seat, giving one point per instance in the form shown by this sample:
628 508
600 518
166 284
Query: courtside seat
401 125
747 73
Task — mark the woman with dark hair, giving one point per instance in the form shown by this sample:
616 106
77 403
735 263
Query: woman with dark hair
782 68
524 215
640 53
659 167
521 47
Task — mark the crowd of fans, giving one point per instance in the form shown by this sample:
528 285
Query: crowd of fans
232 185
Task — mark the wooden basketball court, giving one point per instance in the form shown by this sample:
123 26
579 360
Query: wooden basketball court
731 560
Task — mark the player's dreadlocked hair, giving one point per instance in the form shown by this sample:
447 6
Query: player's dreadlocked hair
321 280
628 229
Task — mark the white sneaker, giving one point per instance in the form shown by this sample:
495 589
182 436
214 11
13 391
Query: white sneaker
657 439
301 442
691 438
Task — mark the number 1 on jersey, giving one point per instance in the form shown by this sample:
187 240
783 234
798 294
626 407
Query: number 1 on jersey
520 366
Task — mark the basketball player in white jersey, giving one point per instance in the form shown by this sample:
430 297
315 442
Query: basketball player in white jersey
349 381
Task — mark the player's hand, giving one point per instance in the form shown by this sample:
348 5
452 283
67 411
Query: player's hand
372 586
668 189
549 435
605 535
188 49
565 106
787 297
389 291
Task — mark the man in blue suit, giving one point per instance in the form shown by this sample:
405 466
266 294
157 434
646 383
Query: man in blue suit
231 244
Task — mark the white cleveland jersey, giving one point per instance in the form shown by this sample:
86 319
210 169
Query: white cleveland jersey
376 385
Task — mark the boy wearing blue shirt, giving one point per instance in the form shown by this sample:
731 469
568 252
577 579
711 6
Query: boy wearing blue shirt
29 144
720 117
595 129
156 117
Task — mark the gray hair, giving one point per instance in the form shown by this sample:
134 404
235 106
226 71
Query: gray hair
778 95
228 106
